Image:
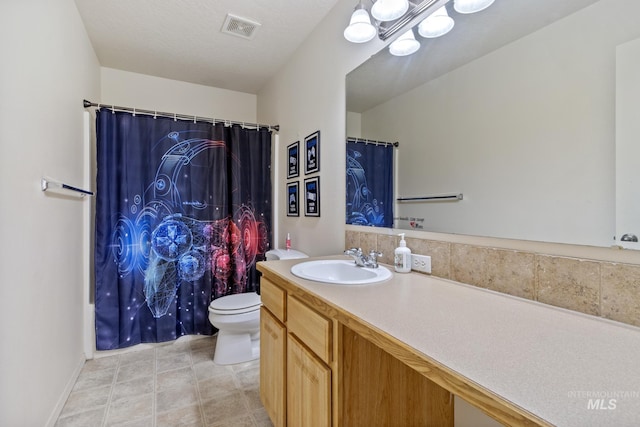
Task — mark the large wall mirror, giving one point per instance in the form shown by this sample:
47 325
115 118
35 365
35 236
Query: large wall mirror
515 108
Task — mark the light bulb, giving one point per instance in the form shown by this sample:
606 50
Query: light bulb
360 29
405 45
436 25
471 6
388 10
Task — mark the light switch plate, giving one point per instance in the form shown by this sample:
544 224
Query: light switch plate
421 263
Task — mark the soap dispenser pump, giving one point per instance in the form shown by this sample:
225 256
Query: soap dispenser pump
402 256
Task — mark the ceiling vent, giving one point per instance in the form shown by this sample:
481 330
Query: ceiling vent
241 27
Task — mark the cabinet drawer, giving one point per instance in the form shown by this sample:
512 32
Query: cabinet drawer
310 327
274 298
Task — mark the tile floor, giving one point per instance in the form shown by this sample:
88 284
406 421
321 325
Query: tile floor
171 385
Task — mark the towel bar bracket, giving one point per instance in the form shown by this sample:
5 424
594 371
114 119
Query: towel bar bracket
46 183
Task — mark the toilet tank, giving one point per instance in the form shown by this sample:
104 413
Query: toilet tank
276 254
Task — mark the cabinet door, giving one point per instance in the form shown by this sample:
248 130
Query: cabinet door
308 388
273 336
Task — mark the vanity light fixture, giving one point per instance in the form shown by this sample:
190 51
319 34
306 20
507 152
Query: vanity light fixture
389 21
436 25
405 45
471 6
360 29
389 10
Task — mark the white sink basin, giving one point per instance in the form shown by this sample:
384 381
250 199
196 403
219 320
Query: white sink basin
340 272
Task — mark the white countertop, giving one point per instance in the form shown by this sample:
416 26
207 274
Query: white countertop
552 362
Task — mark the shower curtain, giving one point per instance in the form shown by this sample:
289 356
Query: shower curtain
183 213
369 184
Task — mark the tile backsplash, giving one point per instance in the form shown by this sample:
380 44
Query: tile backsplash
596 287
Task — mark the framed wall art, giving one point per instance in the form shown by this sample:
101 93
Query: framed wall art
312 196
293 151
292 199
312 153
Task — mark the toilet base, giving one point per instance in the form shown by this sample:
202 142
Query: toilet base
232 348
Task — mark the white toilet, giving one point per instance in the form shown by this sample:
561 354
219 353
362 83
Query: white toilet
237 318
275 254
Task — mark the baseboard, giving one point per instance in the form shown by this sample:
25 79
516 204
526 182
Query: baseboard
65 394
89 332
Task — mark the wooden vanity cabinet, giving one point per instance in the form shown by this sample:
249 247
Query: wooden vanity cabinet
315 371
308 387
309 353
273 353
295 349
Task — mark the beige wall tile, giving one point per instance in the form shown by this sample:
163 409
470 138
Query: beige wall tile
510 272
468 264
351 239
440 253
387 245
607 289
569 283
620 299
368 241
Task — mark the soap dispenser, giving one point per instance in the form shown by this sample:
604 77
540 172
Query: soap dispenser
402 258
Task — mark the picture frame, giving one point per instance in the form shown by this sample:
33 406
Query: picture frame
293 195
293 162
312 196
312 153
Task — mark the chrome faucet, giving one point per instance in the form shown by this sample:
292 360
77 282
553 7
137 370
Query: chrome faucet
363 260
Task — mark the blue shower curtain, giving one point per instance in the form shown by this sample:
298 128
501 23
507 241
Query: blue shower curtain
183 213
369 184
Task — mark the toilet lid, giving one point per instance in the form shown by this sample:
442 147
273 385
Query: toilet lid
235 304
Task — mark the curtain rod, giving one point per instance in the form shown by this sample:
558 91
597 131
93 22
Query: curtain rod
175 116
372 141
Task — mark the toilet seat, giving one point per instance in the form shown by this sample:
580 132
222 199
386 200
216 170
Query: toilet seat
235 304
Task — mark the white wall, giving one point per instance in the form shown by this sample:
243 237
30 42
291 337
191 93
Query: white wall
627 147
48 67
306 95
527 133
354 125
159 94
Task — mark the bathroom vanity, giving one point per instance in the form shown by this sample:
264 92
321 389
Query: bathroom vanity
396 352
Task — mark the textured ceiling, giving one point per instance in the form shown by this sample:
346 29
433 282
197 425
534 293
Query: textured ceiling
181 39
